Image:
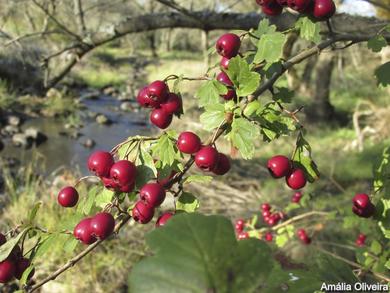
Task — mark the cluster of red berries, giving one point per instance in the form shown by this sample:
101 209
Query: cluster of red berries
269 217
296 198
90 229
281 166
207 157
241 234
15 265
302 235
360 241
227 46
318 9
165 103
362 206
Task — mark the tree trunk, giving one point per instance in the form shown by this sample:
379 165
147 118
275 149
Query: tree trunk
321 110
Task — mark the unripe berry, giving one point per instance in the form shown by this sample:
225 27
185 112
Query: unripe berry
145 100
243 235
7 271
100 163
162 220
158 90
83 231
223 78
279 166
228 45
296 179
224 63
160 118
323 9
223 165
173 105
103 225
206 158
123 173
268 237
142 213
188 142
153 194
68 197
21 265
2 239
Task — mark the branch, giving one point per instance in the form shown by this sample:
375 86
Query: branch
78 11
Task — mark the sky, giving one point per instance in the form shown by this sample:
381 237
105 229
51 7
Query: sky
357 7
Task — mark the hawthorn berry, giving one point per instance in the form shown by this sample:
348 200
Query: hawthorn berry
298 5
162 220
153 194
142 213
100 163
68 197
7 270
206 158
268 237
173 105
239 225
2 239
303 236
109 183
83 231
145 100
323 9
279 166
272 9
224 62
296 197
188 142
102 225
243 235
158 90
282 2
21 265
223 78
266 207
123 174
228 45
360 241
160 118
266 213
296 179
362 206
223 165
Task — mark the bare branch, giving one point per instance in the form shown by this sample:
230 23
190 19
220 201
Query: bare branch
79 13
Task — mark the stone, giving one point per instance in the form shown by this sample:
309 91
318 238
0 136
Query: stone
88 143
103 119
127 107
21 140
37 136
10 130
110 91
90 95
14 120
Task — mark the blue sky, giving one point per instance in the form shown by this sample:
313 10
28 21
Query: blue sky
357 7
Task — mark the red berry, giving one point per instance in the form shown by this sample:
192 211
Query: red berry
103 225
272 9
271 221
303 236
361 201
282 2
100 163
364 213
296 179
83 231
323 9
68 197
206 158
124 173
268 237
142 213
162 220
21 265
109 183
239 225
223 78
153 194
174 104
266 213
266 207
298 5
362 236
228 45
296 197
279 166
306 240
188 142
224 63
301 232
223 165
243 235
158 90
145 100
2 239
7 271
359 242
160 118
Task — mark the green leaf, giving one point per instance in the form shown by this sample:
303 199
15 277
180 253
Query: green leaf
376 247
387 264
376 43
244 80
146 169
283 95
198 179
165 150
6 248
26 274
308 29
104 197
89 201
33 212
252 108
197 253
302 158
243 135
70 244
281 240
210 92
45 244
187 202
213 116
270 47
382 74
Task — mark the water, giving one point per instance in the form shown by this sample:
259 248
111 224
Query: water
61 150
